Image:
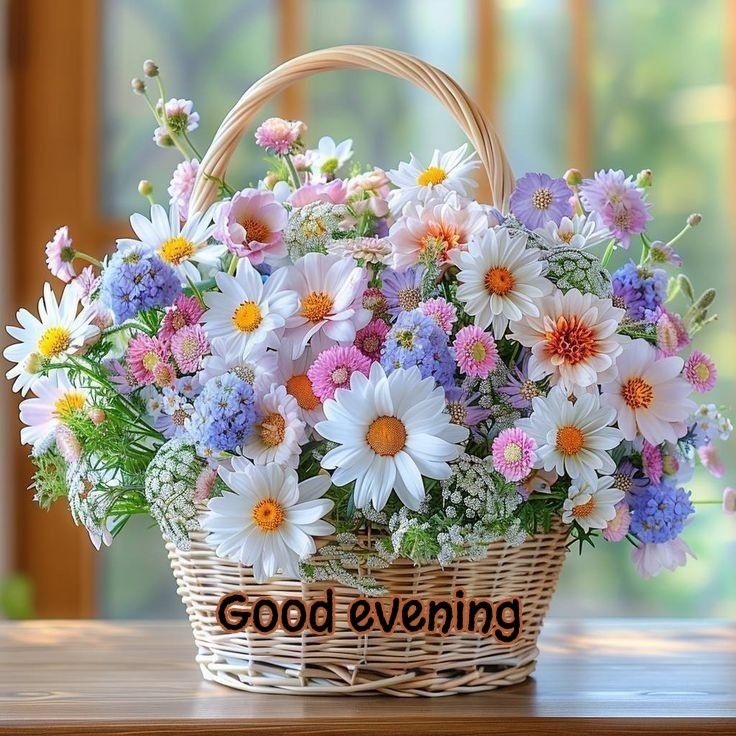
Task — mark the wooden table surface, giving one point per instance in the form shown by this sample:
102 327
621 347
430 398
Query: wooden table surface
594 677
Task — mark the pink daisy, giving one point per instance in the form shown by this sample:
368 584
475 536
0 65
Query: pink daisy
711 460
652 462
144 354
700 371
60 255
618 527
441 311
475 352
250 225
185 311
205 483
189 346
279 136
370 339
333 368
513 453
181 186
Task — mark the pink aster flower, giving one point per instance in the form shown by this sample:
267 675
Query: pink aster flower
729 501
334 192
189 345
711 460
185 311
181 186
333 368
652 462
618 527
370 339
279 136
143 355
475 352
440 311
60 255
205 483
251 225
700 371
513 453
87 283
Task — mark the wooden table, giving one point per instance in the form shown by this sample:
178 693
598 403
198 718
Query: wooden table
594 677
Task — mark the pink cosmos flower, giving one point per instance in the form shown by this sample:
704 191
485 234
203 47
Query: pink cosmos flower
67 443
335 192
371 338
652 462
729 501
475 352
87 283
60 255
144 355
251 225
700 371
189 345
441 311
186 310
181 186
618 527
711 460
205 483
513 453
333 368
279 136
650 559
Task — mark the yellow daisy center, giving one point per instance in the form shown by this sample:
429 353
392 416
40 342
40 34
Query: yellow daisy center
176 250
316 306
431 176
54 341
300 387
702 371
273 430
478 351
68 403
150 360
386 436
268 514
569 440
637 393
512 453
247 317
584 509
499 280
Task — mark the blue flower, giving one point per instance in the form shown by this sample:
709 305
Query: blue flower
136 279
417 340
642 290
224 415
658 514
402 289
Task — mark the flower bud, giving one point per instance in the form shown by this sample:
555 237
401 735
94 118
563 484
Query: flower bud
644 178
686 286
138 85
145 188
573 177
150 69
706 299
97 416
165 140
694 219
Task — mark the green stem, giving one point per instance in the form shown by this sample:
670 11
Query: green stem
197 292
174 137
233 265
292 171
197 154
86 257
609 252
680 234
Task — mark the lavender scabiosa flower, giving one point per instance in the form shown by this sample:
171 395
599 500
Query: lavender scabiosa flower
224 415
403 290
462 407
539 199
628 478
659 514
136 279
519 389
643 290
417 340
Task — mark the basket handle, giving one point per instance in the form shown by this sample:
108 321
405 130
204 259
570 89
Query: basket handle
396 63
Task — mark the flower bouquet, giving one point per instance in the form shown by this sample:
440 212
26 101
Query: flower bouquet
366 379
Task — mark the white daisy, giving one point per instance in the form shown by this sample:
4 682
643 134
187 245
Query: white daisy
328 158
269 520
592 505
649 394
330 290
279 432
56 400
446 172
572 438
246 310
292 373
573 339
255 363
178 246
58 331
500 280
580 231
391 431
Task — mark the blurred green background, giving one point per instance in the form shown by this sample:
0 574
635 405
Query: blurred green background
657 95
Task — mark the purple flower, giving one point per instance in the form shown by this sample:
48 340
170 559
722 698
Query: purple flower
461 408
403 290
642 290
520 389
659 514
628 478
538 198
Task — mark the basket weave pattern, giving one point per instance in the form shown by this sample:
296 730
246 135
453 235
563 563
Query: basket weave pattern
349 663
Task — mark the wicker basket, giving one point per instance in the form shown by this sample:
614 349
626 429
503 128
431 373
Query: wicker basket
346 662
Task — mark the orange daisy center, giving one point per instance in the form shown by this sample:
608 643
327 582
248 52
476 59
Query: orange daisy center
571 340
255 230
637 393
499 280
440 237
300 387
273 430
569 440
386 436
584 509
316 306
269 514
247 317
